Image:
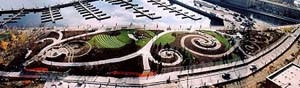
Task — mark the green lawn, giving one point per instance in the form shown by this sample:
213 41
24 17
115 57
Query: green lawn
165 39
143 42
107 41
150 33
124 36
219 37
4 36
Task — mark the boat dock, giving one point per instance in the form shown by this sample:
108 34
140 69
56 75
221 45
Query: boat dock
13 18
52 14
89 11
173 10
137 9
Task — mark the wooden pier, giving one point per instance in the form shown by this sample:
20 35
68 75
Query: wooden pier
173 10
52 14
137 9
89 11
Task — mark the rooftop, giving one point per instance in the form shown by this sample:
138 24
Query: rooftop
286 77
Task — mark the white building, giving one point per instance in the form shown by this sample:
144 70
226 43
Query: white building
297 3
286 77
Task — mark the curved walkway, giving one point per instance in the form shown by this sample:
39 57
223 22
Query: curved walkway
174 52
56 42
144 51
237 44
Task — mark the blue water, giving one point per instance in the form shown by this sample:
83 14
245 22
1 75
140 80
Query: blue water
119 16
18 4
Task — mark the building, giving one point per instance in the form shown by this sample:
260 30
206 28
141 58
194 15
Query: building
286 77
239 3
265 8
297 3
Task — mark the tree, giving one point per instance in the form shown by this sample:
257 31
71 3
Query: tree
22 37
188 58
1 60
154 48
159 46
167 45
160 66
4 45
13 37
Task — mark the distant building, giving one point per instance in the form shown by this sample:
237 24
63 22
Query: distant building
286 77
297 3
240 3
264 7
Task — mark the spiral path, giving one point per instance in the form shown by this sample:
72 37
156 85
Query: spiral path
205 42
250 47
261 38
252 44
168 54
70 50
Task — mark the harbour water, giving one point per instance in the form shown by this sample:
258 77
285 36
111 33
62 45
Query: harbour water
119 16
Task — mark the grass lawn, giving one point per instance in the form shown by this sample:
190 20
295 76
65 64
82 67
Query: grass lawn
4 36
165 39
143 42
150 33
107 41
124 36
219 37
